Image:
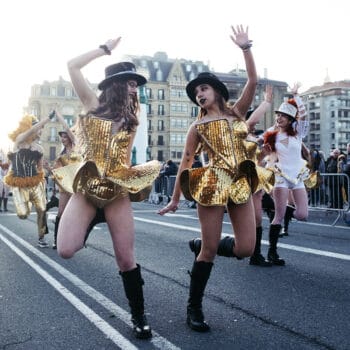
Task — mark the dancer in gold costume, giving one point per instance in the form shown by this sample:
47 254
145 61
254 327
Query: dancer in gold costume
26 175
105 179
66 157
229 179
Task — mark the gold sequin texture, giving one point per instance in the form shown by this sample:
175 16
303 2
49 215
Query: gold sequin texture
104 175
230 175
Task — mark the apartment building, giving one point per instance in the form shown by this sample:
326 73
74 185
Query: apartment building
328 107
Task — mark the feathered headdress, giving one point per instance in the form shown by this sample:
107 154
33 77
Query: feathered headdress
25 124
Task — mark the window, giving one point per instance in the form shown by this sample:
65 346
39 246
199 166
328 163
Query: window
61 91
149 109
160 140
194 111
53 134
160 125
52 153
160 109
149 125
149 93
161 94
53 91
69 120
160 156
45 90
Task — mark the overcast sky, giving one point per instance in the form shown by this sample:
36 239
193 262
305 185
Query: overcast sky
293 41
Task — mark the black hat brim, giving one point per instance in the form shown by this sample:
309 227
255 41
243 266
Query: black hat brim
214 83
123 76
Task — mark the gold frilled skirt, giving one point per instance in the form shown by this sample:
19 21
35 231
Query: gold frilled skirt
135 182
210 186
266 179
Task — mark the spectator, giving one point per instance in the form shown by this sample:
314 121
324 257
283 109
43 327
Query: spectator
333 182
167 183
4 189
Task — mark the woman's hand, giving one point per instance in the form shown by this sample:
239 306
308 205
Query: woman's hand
295 88
113 43
172 206
240 37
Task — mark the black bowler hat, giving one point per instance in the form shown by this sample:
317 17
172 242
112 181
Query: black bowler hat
206 78
121 71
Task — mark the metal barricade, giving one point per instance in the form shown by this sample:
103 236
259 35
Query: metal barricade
162 189
331 195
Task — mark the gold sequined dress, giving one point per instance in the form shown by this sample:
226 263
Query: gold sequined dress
63 175
104 175
229 176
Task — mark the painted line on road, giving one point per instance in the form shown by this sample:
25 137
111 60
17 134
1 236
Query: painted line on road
157 340
282 245
102 325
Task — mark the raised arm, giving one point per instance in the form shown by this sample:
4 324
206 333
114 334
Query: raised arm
262 109
33 130
65 126
241 39
83 90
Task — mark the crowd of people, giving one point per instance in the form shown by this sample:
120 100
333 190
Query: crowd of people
244 171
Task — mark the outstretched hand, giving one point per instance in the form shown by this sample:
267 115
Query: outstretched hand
295 88
240 36
172 206
113 43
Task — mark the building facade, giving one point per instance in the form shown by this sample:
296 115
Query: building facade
328 107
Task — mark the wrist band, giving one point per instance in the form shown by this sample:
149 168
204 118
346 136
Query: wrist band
105 49
247 45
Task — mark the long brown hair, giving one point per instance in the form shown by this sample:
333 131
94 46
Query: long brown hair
115 104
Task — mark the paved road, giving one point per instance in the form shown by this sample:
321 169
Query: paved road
50 303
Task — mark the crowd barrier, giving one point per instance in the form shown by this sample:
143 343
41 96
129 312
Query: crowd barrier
331 195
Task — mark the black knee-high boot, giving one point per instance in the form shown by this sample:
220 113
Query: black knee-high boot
199 277
225 247
287 219
272 255
133 283
57 221
5 204
257 258
0 204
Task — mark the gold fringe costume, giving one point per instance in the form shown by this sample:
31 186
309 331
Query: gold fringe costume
229 176
266 176
28 186
104 175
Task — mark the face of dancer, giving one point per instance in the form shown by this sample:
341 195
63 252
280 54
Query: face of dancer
205 95
283 121
132 88
65 140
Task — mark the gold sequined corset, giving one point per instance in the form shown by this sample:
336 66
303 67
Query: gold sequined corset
66 159
104 174
230 175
